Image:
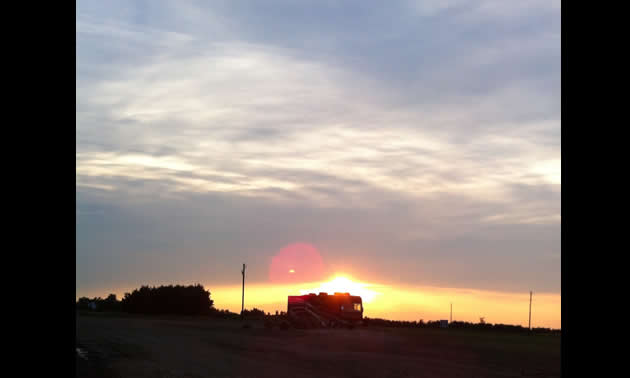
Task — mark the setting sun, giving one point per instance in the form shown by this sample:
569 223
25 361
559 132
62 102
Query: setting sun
341 284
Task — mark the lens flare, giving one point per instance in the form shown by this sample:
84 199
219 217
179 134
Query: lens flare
298 262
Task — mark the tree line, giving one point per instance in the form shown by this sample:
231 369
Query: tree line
176 300
162 300
482 325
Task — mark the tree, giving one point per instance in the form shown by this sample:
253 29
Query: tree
185 300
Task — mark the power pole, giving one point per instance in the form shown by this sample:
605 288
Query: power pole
451 321
530 311
243 300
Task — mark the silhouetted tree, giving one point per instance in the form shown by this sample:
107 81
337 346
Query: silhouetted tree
83 303
185 300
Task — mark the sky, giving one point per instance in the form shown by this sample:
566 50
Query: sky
410 145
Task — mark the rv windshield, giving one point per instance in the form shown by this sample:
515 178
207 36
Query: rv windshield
357 306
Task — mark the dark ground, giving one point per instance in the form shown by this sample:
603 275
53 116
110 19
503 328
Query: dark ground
119 345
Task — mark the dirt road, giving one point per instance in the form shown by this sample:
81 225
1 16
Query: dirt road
130 346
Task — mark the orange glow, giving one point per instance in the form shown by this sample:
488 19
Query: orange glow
398 302
404 302
341 284
291 271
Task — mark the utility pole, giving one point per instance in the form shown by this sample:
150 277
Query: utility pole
451 321
530 311
243 300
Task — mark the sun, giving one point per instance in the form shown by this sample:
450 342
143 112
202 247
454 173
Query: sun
343 284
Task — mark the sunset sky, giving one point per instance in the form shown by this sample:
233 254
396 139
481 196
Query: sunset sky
410 147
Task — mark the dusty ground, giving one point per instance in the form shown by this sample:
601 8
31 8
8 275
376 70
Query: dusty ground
132 346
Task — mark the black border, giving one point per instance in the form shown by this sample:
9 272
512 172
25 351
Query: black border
43 99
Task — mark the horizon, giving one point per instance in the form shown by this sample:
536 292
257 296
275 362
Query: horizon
413 146
545 306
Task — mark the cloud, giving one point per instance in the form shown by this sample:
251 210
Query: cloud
355 132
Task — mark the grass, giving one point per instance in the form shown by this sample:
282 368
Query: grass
143 346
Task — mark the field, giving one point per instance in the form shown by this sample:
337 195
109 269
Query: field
139 346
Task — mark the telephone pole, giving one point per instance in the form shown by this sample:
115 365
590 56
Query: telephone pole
530 311
243 298
451 321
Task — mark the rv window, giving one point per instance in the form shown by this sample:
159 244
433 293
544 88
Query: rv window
357 307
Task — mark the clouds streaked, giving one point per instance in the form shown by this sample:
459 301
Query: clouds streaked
425 135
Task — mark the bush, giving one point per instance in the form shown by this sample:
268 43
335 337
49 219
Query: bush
223 314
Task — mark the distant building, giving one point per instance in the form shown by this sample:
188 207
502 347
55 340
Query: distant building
443 323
